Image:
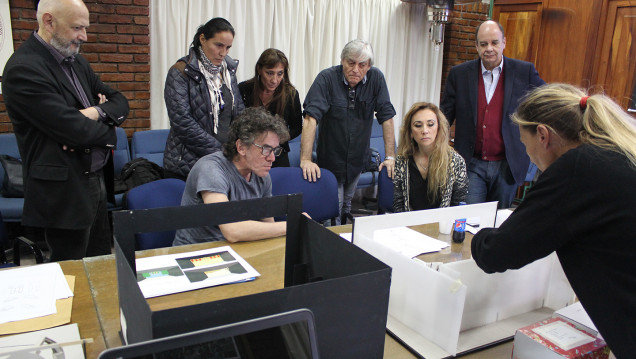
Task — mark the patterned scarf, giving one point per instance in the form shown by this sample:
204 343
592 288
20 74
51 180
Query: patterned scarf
215 77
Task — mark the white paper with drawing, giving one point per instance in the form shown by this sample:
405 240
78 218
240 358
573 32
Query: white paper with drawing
174 273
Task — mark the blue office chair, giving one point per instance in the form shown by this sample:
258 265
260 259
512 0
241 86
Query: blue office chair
165 192
385 192
149 145
121 153
4 241
121 156
294 153
18 243
11 208
375 156
320 198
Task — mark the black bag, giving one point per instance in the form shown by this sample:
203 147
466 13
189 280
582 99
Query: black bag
136 173
13 182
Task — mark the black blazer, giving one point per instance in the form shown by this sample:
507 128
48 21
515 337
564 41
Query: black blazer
44 109
460 103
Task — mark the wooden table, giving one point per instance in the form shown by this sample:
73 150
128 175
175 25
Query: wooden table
83 311
266 256
454 252
102 275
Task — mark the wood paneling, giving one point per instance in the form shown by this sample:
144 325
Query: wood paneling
521 23
568 41
587 43
616 65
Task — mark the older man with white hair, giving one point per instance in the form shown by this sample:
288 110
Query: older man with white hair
64 119
343 100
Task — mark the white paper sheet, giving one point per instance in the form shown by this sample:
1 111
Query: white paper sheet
347 236
174 273
502 215
407 241
576 313
62 334
563 335
30 292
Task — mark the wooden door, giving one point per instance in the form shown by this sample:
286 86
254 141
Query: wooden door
615 68
521 21
568 41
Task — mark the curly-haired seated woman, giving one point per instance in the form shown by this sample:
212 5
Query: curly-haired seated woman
428 171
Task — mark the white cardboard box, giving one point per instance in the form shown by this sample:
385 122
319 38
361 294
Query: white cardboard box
445 312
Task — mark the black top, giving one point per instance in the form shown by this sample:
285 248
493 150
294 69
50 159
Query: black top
293 117
44 110
582 207
345 126
418 191
225 116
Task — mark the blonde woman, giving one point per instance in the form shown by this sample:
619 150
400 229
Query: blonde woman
582 206
428 172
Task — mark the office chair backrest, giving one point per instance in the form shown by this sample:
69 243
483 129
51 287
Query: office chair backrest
10 207
385 192
121 153
150 145
320 198
8 146
294 154
532 171
165 192
376 152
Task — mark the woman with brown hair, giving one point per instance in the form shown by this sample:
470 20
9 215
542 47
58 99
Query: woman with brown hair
428 172
270 87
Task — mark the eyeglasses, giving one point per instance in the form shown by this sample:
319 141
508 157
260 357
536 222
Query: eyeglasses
266 150
352 99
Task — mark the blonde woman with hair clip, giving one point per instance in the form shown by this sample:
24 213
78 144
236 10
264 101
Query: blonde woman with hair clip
582 205
428 172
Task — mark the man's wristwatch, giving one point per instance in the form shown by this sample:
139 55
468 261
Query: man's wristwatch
389 158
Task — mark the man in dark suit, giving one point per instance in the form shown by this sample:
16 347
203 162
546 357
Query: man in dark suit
481 95
63 117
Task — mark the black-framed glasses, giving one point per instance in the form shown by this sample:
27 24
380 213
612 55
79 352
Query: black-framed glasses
266 149
352 99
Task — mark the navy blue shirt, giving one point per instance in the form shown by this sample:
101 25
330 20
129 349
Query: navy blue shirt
344 125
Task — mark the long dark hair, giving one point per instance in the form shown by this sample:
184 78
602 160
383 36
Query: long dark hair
284 92
209 29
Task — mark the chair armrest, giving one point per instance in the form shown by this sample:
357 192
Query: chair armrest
375 155
37 252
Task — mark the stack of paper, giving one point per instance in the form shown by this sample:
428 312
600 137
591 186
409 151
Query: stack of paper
407 241
31 292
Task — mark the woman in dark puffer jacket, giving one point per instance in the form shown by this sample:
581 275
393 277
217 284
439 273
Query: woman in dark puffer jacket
202 98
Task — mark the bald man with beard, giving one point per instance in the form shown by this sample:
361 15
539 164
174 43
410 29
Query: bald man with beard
64 119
